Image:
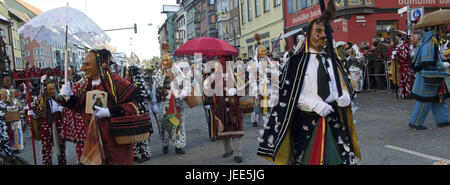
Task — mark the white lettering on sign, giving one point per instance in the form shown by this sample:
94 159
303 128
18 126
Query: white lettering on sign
316 13
359 17
423 2
307 16
300 18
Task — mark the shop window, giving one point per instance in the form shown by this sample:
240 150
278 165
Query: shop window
382 26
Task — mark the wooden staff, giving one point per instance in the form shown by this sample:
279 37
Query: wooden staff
333 60
157 123
273 48
28 117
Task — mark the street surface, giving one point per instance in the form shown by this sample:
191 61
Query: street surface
381 125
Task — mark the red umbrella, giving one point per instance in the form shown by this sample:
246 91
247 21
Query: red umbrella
207 46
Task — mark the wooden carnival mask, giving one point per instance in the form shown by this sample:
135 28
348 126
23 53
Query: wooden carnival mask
262 51
51 90
166 61
90 67
317 38
3 94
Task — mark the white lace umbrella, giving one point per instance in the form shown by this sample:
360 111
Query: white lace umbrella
78 28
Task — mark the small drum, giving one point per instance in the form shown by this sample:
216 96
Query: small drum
247 105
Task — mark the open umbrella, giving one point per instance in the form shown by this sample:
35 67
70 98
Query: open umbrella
69 23
434 18
207 46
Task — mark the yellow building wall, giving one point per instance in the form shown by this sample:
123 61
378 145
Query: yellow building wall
270 21
15 49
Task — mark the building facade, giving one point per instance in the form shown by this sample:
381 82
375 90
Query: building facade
357 20
264 17
170 24
180 28
228 25
39 54
24 7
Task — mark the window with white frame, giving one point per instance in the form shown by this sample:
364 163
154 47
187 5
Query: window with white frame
276 3
18 63
266 6
250 9
257 8
243 12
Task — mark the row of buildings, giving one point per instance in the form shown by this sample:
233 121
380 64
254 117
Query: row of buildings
237 21
46 50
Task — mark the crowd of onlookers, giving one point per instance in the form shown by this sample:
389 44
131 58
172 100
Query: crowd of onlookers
37 72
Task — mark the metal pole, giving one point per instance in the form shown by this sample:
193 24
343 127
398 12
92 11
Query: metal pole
28 117
66 57
408 10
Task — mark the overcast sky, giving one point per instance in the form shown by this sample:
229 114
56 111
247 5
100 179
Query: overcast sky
111 14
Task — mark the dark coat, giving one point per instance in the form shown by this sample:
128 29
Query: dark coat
276 143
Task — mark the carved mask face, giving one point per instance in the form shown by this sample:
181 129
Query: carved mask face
262 52
166 61
3 95
51 90
318 39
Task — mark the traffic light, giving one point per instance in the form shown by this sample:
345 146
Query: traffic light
135 28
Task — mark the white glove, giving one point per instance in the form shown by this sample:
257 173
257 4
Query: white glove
155 108
31 113
66 91
231 92
393 54
344 100
446 65
207 106
56 107
26 108
323 109
183 94
101 112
